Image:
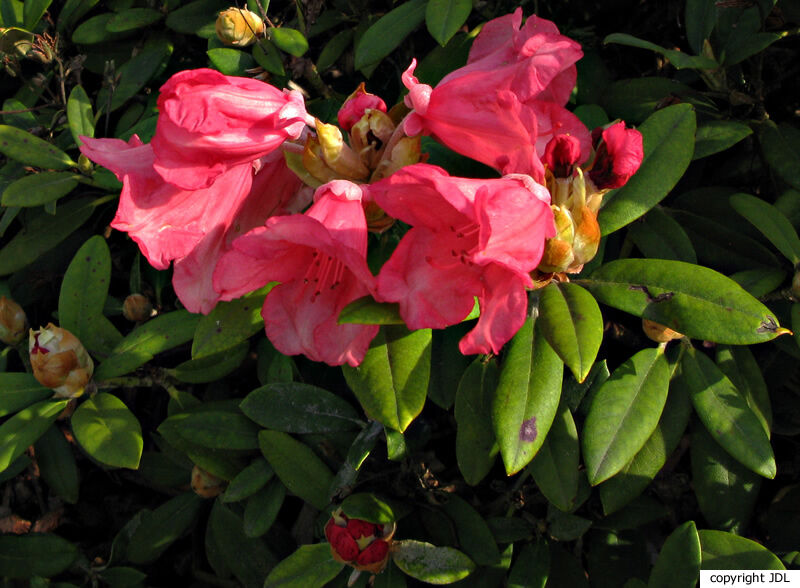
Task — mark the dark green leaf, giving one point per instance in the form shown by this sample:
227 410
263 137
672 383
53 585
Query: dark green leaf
20 390
268 57
162 527
532 567
476 447
297 466
262 509
196 18
293 407
310 566
79 114
693 300
445 17
725 413
717 135
431 564
29 149
359 451
526 398
231 62
779 153
744 373
123 577
93 30
334 48
700 16
132 19
32 12
290 40
211 367
555 467
392 381
24 428
770 222
108 431
759 282
726 551
371 508
25 556
388 32
473 533
668 137
570 320
215 429
659 236
134 74
229 323
679 59
57 464
249 481
72 12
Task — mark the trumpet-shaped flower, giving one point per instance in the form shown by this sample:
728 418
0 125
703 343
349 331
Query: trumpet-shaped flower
469 238
320 259
209 123
619 154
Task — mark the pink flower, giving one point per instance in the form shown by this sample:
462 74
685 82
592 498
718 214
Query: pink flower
619 153
320 259
209 122
561 155
191 227
356 106
468 238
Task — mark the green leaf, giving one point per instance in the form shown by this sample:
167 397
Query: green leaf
648 461
32 12
262 509
25 556
570 320
759 282
388 32
771 223
211 367
369 507
476 447
29 149
725 414
229 323
473 533
42 233
744 373
297 466
717 135
162 527
134 74
57 464
310 566
196 18
526 398
290 40
444 17
431 564
231 62
668 138
693 300
677 58
726 551
108 431
72 12
367 311
132 19
79 114
145 341
293 407
123 577
268 57
700 17
659 236
532 567
726 490
624 413
358 452
93 30
555 467
215 429
249 481
779 152
392 381
334 48
20 390
24 428
83 294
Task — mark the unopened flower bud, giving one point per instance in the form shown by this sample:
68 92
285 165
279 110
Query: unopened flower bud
406 151
618 154
561 155
206 484
370 135
59 361
359 543
338 155
658 332
85 164
558 255
137 308
587 237
238 27
13 321
356 105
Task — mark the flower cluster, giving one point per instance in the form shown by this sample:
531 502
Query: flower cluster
221 192
359 543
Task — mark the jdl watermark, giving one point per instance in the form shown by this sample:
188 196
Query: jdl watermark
783 578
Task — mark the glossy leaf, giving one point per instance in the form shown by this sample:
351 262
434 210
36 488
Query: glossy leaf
20 390
678 563
717 135
659 236
624 413
230 61
726 551
771 223
445 17
726 415
374 509
39 189
211 367
570 320
744 372
679 59
526 398
474 536
162 527
108 431
759 282
668 137
229 323
555 467
476 447
359 451
693 300
215 429
392 381
268 57
25 556
79 114
32 12
388 32
29 149
310 566
57 464
431 564
290 40
293 407
25 427
297 466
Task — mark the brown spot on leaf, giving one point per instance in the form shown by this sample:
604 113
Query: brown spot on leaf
528 431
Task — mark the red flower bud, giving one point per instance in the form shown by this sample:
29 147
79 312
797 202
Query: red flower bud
343 546
356 105
561 154
617 157
359 543
376 552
